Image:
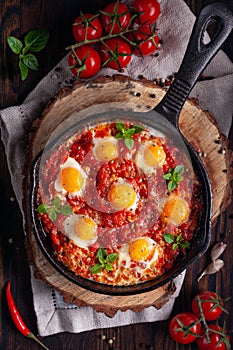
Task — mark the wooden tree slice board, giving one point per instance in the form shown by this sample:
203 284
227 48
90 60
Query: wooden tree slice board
198 126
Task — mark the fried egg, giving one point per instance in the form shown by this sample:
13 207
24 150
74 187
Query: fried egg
143 250
82 230
71 178
105 149
121 195
150 156
175 210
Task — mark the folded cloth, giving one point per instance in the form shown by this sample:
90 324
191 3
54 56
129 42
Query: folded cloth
215 94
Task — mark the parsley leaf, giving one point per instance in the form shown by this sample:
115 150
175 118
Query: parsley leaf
174 176
105 261
34 41
127 133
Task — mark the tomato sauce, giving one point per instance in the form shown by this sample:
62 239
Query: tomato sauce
117 227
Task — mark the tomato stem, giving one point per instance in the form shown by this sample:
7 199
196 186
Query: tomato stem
203 320
94 41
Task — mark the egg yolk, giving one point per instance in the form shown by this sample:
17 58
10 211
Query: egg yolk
121 196
71 179
140 249
85 229
175 211
154 155
106 151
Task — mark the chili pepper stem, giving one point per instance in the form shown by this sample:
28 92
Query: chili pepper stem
32 336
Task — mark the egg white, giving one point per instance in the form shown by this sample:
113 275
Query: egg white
69 231
140 160
71 163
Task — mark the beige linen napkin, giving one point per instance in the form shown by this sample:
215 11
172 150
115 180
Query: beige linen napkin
216 95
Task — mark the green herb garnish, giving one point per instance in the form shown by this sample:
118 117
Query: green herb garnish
174 176
127 133
34 41
105 261
176 242
54 209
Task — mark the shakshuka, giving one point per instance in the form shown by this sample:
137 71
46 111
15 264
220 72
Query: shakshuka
120 203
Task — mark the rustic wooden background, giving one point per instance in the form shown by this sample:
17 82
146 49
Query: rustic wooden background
17 18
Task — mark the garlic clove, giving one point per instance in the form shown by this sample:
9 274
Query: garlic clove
212 268
217 250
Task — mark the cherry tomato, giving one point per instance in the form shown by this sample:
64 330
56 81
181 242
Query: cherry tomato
179 328
115 17
115 53
84 61
211 304
140 36
217 341
148 10
87 26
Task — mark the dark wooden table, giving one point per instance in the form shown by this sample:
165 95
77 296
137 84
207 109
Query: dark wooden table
17 18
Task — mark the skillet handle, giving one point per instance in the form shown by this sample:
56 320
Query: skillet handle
197 56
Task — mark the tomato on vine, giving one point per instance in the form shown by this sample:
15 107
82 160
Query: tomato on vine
148 11
115 53
212 305
115 17
184 328
84 61
218 339
146 40
87 27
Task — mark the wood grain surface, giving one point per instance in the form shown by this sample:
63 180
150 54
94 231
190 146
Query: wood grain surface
17 18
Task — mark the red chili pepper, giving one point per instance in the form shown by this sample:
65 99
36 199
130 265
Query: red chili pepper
17 319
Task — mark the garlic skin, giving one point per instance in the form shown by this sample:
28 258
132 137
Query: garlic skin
217 250
212 268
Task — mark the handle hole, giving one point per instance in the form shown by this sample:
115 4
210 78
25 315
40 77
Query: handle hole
212 28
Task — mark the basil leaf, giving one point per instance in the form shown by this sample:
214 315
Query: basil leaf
23 70
52 214
129 143
129 133
56 202
138 129
101 260
179 238
119 135
66 209
36 40
179 169
30 61
174 246
15 44
96 268
167 176
119 125
42 208
112 257
101 254
168 237
171 186
184 244
108 267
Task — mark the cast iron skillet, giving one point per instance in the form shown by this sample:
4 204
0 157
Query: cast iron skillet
195 60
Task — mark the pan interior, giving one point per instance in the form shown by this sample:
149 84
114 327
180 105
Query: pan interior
62 140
